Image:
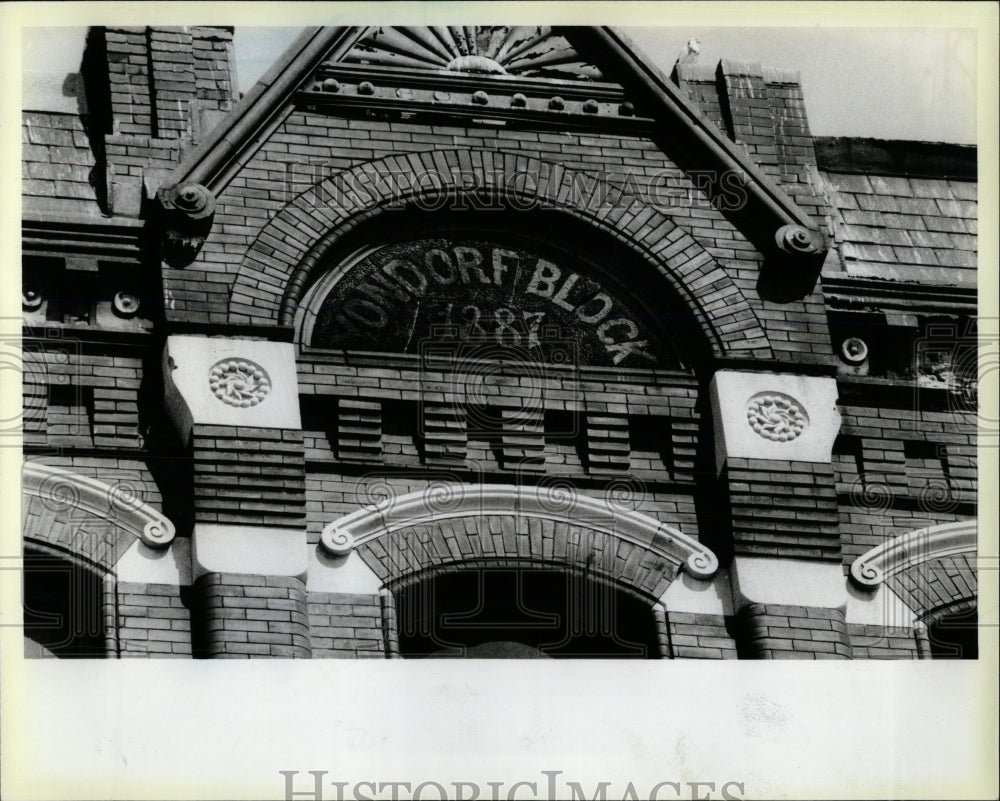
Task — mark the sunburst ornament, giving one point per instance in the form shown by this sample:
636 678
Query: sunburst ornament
532 51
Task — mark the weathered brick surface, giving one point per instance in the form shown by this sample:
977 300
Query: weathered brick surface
783 508
498 538
243 616
882 642
345 625
777 631
937 583
248 475
700 636
901 469
152 620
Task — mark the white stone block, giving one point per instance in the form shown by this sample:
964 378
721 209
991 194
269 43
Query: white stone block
230 382
793 582
252 550
774 416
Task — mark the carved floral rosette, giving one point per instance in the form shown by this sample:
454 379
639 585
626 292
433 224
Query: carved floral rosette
239 382
776 416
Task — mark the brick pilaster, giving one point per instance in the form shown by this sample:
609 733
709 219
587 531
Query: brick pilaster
784 508
248 475
779 631
243 616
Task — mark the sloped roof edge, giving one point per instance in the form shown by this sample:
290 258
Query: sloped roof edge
668 104
786 226
208 160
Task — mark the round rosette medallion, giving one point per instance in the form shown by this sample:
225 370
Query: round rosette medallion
239 382
776 416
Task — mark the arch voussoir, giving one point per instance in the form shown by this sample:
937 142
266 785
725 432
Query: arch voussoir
293 242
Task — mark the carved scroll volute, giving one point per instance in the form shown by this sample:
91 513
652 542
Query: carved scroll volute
793 265
188 210
797 240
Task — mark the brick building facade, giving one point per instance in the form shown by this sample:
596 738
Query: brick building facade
489 342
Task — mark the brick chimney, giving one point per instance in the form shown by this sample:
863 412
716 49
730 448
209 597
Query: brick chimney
152 93
168 83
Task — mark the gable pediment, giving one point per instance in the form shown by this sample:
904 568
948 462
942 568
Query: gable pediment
530 51
500 75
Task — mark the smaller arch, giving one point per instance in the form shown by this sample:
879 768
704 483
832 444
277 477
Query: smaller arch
628 534
911 549
57 496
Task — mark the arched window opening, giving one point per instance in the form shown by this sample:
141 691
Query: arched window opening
954 634
522 612
63 608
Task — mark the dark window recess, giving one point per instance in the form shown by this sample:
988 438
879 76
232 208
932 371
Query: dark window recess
319 420
955 636
522 612
848 461
401 437
485 433
63 608
651 444
565 439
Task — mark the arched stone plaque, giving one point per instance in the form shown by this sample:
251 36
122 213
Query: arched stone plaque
518 298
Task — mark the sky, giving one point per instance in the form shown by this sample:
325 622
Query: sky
886 83
914 83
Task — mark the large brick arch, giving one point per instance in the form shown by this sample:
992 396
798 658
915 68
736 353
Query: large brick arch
465 526
86 518
278 265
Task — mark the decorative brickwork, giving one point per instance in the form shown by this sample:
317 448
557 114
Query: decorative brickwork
284 244
248 475
783 509
242 616
775 631
608 447
445 436
359 431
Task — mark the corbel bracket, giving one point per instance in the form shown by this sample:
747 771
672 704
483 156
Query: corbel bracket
187 213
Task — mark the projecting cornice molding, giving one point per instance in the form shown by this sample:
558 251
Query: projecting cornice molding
937 542
61 490
556 504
